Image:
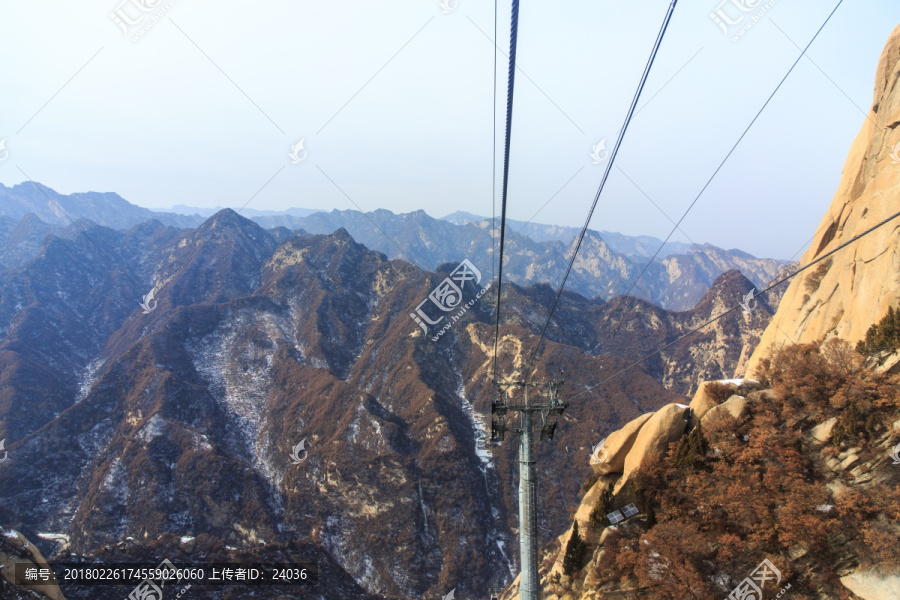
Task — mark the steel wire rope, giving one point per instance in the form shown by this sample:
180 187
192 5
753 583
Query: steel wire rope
510 88
494 153
733 148
606 172
739 305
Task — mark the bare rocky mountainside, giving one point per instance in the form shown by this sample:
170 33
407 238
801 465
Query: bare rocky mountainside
273 398
785 485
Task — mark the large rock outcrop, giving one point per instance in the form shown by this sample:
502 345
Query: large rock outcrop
16 549
735 407
846 293
615 463
703 401
872 584
664 427
610 457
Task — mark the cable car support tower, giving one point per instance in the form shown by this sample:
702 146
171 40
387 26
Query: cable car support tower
531 415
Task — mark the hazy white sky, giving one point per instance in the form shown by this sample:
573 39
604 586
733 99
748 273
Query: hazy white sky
394 104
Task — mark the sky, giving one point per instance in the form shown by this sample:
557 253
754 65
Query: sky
201 103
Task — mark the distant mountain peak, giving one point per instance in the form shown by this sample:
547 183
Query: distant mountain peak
229 219
342 235
104 208
732 280
729 288
462 217
31 220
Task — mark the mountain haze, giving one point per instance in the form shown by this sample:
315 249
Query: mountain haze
608 264
107 209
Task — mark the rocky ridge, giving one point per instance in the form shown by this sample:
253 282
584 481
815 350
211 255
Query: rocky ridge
608 262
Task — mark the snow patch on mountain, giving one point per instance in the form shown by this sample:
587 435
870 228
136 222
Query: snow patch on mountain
479 428
115 479
236 360
152 429
87 378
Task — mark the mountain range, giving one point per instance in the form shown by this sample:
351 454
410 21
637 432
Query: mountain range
608 264
154 382
318 388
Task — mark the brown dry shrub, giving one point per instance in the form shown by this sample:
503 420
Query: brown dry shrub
841 355
814 279
720 392
762 490
870 521
802 374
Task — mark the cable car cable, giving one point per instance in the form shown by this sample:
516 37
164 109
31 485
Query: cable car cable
734 308
612 158
513 39
733 148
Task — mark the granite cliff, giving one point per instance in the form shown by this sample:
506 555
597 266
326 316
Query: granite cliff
845 294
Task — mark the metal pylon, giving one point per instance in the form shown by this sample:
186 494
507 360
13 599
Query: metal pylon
548 410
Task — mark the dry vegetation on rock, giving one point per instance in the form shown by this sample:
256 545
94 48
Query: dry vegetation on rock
729 495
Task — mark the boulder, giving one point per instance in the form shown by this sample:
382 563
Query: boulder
873 584
890 365
736 406
664 427
589 501
595 574
25 549
617 446
763 396
582 515
822 432
849 461
702 402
